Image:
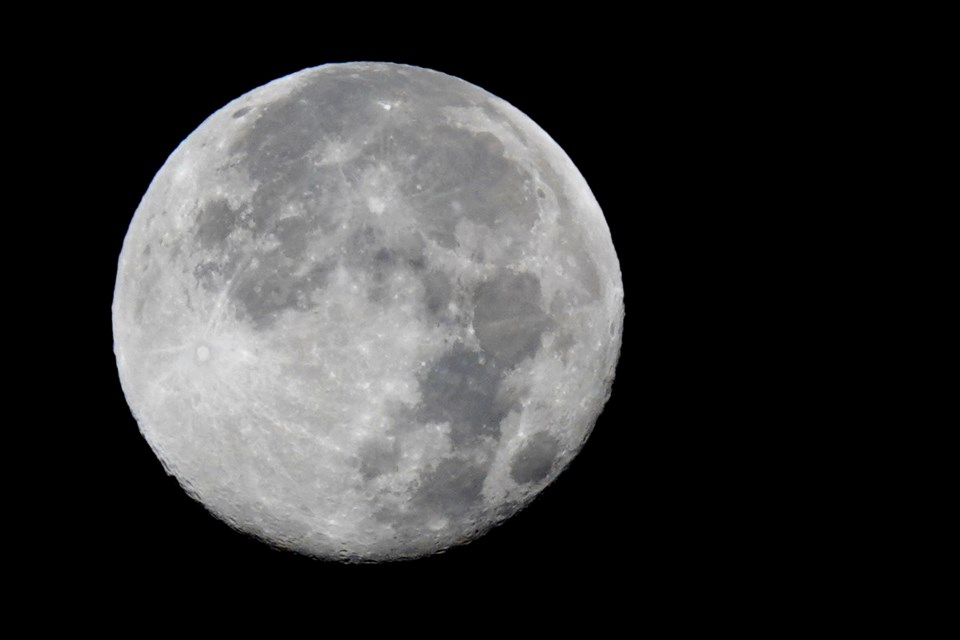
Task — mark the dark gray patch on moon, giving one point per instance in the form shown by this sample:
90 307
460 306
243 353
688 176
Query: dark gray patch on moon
147 284
300 184
383 265
215 221
293 234
239 113
461 388
367 250
453 488
262 293
534 461
287 128
383 261
343 105
562 344
378 457
206 273
335 105
438 294
449 494
508 318
458 174
276 148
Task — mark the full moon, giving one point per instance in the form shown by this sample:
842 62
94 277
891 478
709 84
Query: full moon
367 311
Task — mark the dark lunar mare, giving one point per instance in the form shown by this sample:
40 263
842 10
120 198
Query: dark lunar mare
447 173
509 318
534 461
462 388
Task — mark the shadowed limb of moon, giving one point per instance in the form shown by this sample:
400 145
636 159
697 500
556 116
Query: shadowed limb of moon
367 311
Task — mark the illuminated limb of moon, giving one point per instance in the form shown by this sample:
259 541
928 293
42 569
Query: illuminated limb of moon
367 311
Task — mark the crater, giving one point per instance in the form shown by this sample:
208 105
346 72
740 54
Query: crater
202 353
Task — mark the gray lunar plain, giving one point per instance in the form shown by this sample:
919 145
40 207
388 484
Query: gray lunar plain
367 311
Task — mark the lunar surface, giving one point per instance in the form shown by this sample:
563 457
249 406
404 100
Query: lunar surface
367 311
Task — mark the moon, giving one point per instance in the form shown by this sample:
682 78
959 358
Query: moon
367 311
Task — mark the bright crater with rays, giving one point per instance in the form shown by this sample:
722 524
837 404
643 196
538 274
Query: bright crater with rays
367 311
